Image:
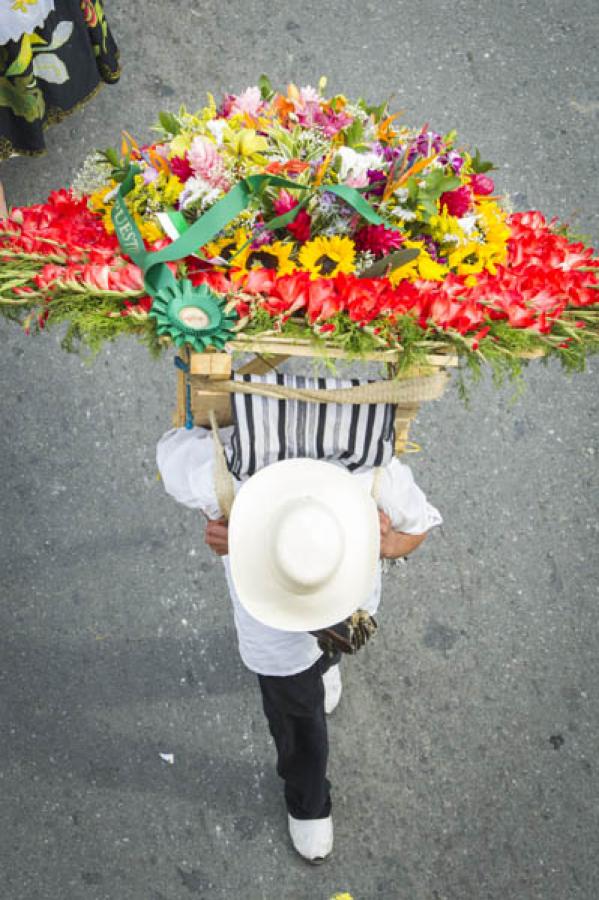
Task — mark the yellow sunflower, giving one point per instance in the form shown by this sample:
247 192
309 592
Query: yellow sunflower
226 247
325 257
275 257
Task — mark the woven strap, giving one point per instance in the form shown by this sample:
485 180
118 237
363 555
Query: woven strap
409 390
224 486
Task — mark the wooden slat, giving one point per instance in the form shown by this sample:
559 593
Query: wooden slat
292 347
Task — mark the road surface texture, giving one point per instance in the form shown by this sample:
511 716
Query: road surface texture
464 753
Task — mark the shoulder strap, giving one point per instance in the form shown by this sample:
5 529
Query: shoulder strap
376 484
223 480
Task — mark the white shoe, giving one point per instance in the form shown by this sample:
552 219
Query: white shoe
312 838
332 688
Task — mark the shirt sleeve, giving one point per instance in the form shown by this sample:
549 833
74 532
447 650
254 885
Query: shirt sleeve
404 502
185 459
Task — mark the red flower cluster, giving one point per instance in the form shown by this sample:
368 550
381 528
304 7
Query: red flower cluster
544 274
62 225
300 227
79 249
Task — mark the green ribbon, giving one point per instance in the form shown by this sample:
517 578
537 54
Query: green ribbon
157 275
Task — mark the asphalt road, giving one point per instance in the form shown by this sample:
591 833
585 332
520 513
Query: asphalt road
464 754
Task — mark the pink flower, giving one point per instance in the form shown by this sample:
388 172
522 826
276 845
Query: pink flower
457 202
482 184
377 239
206 162
249 102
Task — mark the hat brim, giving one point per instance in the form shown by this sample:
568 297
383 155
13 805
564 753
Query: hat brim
257 584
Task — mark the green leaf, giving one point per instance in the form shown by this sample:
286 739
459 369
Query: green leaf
412 185
266 89
379 112
111 156
169 122
390 262
20 64
437 182
479 165
354 134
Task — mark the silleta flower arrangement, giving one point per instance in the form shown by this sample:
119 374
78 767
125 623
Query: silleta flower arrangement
293 214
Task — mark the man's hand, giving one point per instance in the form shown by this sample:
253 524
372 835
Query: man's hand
396 543
217 536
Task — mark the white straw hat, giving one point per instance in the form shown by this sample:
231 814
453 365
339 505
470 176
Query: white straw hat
304 542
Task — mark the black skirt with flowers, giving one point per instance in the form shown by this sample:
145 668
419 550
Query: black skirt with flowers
49 73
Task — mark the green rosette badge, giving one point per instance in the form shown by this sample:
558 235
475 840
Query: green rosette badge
193 315
184 313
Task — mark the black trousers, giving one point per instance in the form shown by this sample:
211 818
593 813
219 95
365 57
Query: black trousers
294 708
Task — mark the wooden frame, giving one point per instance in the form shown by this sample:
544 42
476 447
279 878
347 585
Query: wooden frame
269 353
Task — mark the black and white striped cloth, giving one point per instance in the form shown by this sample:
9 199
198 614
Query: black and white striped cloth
266 430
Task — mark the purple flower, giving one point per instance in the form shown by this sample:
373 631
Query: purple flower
150 175
261 239
453 159
377 179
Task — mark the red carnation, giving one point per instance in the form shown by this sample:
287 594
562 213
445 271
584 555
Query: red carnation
457 202
482 184
377 239
180 167
300 227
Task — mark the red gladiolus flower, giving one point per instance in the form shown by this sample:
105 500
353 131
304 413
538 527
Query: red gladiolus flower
259 281
216 281
364 297
288 294
457 202
323 299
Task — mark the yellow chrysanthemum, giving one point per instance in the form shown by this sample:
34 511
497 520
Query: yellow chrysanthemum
429 269
493 221
275 257
325 257
164 190
149 230
445 227
107 223
96 200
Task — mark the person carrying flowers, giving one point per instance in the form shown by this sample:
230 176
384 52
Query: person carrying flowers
301 553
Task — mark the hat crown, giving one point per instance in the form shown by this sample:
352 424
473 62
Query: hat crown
308 544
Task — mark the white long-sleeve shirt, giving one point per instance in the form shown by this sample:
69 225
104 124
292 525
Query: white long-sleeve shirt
186 459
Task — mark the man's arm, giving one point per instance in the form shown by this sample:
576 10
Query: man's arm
395 544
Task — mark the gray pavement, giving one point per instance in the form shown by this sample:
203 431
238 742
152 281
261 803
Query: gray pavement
464 754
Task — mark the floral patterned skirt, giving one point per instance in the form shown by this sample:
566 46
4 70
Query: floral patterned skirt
52 71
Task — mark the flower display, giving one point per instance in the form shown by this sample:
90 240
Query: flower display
334 222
